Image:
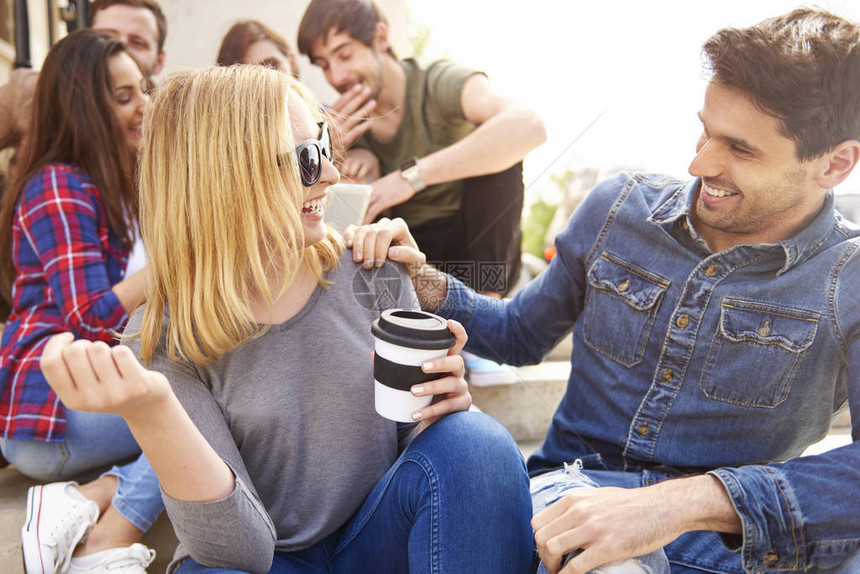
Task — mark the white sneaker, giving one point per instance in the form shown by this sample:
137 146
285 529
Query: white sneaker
131 560
484 372
58 519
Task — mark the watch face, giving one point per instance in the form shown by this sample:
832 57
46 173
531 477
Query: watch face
411 163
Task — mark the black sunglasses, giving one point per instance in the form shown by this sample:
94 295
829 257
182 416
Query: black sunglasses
310 154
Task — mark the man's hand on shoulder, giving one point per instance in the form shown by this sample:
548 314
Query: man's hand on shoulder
391 239
611 524
16 101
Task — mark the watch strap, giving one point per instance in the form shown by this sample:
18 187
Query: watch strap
409 172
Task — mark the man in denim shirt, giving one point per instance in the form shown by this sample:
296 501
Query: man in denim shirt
716 327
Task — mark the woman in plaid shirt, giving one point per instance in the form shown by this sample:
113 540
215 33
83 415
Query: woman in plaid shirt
68 230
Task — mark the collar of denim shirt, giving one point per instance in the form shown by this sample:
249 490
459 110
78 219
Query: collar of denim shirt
797 249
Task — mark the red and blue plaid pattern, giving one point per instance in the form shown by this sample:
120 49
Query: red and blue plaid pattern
67 259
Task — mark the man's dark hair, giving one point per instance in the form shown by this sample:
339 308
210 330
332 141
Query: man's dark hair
802 68
150 5
358 18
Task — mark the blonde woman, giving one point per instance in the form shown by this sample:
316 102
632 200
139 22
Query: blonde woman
256 409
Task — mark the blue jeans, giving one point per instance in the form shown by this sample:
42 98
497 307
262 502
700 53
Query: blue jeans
548 488
94 441
455 501
693 553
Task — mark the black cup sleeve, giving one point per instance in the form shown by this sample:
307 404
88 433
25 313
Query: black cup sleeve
400 377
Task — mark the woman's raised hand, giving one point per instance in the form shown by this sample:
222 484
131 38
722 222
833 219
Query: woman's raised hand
91 376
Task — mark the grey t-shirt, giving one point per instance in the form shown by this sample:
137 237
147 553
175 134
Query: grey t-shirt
292 414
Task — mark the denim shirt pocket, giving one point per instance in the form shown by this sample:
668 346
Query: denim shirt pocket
620 307
756 352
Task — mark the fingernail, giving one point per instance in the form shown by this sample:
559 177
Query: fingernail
427 366
392 252
416 416
378 262
349 242
418 390
357 254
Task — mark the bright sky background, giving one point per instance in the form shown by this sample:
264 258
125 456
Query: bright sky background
638 63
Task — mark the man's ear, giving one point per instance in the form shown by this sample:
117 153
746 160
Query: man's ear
159 63
380 38
838 164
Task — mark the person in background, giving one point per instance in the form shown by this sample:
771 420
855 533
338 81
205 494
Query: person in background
449 148
442 150
141 26
252 42
716 329
69 223
256 409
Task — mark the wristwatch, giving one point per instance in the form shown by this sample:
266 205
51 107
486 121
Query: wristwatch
409 172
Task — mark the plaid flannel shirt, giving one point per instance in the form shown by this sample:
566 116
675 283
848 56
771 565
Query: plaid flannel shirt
67 259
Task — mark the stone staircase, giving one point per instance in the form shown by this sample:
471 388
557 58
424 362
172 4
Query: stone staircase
526 406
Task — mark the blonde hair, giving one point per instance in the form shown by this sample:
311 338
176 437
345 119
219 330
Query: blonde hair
217 212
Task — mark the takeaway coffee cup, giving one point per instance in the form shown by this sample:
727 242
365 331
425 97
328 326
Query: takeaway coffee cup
404 340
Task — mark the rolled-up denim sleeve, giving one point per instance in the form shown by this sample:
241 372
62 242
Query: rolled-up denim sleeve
805 512
522 330
800 513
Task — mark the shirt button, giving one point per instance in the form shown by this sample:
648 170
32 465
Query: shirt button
764 330
668 376
624 285
643 429
683 321
685 226
712 270
771 558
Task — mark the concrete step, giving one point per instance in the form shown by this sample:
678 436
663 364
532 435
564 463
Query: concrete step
525 407
842 420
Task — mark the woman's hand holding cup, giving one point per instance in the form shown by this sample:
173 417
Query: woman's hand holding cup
451 393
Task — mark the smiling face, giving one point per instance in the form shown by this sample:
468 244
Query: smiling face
304 127
754 189
128 98
347 62
138 30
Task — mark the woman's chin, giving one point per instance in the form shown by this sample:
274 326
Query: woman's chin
315 230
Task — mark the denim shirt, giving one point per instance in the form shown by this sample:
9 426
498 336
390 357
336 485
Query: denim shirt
694 361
